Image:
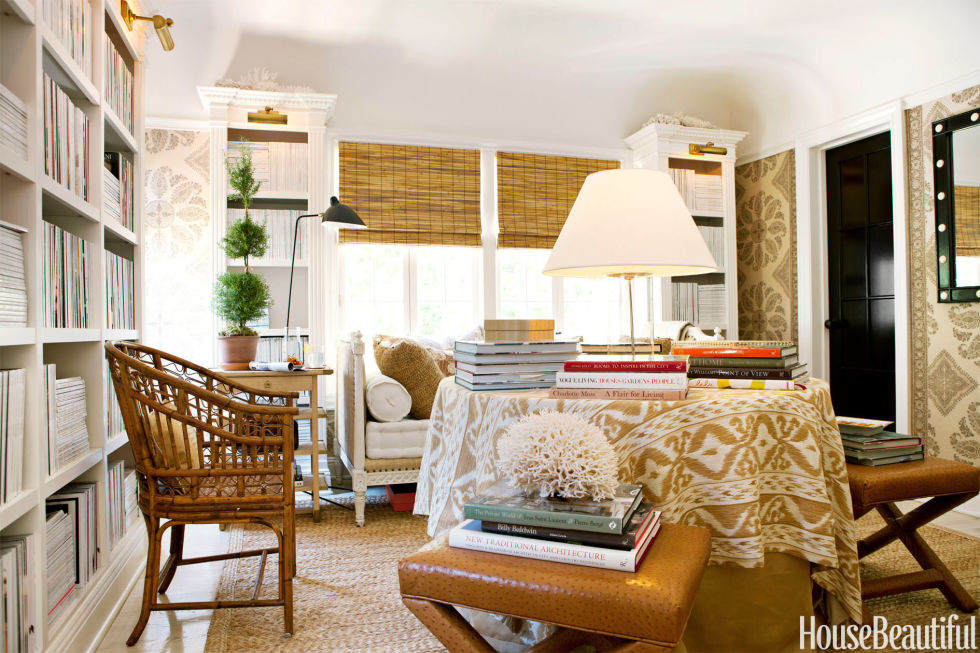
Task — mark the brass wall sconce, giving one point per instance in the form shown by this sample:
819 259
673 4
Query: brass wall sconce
267 116
707 148
160 24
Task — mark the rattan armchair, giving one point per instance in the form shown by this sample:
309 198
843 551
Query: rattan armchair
207 451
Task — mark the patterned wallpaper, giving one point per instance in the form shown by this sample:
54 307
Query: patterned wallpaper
945 337
177 235
765 219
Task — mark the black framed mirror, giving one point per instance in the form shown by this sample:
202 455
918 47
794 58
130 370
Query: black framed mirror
956 171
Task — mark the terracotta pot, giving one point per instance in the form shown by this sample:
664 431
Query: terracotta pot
236 352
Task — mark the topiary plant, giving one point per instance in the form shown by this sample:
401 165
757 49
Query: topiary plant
240 297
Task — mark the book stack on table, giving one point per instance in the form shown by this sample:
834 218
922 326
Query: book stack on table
750 364
511 365
660 378
866 442
611 534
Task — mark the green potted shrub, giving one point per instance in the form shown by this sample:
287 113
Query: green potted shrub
241 297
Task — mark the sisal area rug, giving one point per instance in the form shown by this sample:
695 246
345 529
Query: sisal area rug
346 590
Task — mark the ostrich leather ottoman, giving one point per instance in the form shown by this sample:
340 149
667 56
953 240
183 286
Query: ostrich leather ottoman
642 611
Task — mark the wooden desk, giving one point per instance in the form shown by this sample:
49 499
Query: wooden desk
304 380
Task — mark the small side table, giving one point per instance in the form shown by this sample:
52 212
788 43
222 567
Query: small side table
304 380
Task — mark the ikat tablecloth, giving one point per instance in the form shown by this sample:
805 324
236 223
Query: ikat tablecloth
763 470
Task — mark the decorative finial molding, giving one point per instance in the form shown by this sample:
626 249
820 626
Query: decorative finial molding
261 79
679 118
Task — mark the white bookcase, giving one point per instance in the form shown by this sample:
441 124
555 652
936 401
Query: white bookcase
667 148
30 199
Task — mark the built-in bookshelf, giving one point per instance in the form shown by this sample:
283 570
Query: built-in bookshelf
707 184
70 278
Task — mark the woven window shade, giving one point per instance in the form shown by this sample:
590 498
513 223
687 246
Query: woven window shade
966 200
535 192
411 195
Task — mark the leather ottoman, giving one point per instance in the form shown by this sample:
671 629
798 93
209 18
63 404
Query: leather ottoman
648 609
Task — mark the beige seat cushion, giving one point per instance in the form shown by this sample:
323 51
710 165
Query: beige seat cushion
167 435
409 363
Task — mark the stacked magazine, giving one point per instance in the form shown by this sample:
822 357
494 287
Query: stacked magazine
66 419
13 288
12 403
13 122
612 534
59 543
511 365
866 442
17 563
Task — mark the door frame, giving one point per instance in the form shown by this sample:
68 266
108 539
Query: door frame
813 294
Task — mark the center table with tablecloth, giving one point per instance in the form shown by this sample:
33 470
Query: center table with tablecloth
763 470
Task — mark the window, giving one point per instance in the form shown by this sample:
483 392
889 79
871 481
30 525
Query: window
400 290
522 288
593 310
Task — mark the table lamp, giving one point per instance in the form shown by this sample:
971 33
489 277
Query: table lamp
339 215
629 223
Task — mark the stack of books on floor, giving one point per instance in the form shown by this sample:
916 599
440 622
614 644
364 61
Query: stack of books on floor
13 122
13 288
751 364
612 534
66 415
17 564
510 365
13 393
866 442
661 378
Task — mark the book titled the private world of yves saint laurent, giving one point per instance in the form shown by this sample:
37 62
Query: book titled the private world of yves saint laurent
642 520
504 503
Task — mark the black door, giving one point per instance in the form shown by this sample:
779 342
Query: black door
862 288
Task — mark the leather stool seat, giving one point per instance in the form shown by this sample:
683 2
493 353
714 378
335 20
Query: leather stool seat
651 605
932 477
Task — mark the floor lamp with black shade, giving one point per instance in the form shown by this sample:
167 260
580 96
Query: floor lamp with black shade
339 215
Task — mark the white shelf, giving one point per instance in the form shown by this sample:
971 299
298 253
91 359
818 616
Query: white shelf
707 214
49 334
290 195
13 336
117 135
17 507
11 162
23 9
128 36
71 76
66 201
120 334
67 474
118 230
116 442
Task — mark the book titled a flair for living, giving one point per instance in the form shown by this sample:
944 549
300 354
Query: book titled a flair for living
504 503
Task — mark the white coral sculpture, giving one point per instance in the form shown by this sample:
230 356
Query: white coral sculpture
678 118
554 454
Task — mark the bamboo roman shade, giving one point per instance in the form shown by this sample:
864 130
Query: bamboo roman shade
967 206
535 192
411 195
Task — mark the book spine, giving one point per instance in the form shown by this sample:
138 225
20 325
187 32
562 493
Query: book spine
621 380
729 352
746 384
872 462
634 395
717 361
575 554
578 522
739 373
626 541
625 366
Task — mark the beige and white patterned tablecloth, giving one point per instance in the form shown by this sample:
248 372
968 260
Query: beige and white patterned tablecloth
764 471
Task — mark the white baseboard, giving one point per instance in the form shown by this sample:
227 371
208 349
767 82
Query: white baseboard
971 507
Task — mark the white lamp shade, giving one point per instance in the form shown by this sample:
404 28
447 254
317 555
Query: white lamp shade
629 221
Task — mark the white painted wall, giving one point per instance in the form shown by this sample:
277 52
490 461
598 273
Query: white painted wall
571 71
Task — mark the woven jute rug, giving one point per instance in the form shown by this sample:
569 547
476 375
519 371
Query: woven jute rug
346 590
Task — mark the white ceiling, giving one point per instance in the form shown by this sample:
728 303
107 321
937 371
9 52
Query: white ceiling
571 72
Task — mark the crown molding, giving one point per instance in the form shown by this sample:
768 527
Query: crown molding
656 131
223 97
941 90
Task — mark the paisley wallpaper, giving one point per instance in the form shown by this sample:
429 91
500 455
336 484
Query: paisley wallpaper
765 219
945 337
177 237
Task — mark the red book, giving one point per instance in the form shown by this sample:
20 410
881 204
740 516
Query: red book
729 352
617 395
618 364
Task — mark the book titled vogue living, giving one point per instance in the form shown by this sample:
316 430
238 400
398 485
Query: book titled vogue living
617 395
469 535
504 503
620 364
621 380
642 520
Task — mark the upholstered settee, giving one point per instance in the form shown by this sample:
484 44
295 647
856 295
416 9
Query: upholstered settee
375 452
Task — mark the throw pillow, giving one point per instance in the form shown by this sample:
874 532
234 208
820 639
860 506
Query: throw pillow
410 364
387 400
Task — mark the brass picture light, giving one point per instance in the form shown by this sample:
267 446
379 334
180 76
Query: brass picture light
707 148
160 24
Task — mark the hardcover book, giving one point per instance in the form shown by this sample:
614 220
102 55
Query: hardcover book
621 380
766 363
746 384
614 394
482 369
624 348
514 385
795 373
652 363
468 535
881 440
736 349
861 425
642 520
876 462
881 453
504 503
499 359
552 346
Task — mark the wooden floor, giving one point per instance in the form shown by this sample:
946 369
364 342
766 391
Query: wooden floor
186 632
